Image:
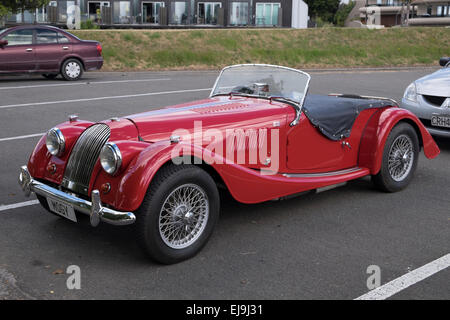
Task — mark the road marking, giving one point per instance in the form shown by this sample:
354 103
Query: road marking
101 98
81 83
23 137
18 205
407 280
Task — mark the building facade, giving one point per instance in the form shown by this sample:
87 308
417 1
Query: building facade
171 13
390 13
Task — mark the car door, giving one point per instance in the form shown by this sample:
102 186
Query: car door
310 151
51 47
18 55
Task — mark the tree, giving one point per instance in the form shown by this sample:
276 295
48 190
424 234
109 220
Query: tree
323 9
16 6
342 13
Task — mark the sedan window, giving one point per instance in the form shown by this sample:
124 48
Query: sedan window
20 37
44 36
62 38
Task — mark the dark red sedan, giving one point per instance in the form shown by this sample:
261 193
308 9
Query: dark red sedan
48 51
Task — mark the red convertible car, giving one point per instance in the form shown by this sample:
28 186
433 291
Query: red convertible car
259 136
48 51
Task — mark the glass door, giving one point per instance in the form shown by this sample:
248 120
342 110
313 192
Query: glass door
267 14
208 12
239 14
150 12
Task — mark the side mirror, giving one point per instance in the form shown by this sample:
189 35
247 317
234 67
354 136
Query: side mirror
3 43
444 61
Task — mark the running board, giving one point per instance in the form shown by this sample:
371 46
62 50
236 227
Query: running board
322 174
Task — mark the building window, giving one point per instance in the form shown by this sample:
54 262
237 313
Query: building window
267 14
239 13
95 9
122 12
179 12
150 12
208 12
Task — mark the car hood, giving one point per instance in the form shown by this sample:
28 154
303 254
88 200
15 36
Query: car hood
222 113
435 84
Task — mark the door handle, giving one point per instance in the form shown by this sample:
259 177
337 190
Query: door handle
65 48
29 50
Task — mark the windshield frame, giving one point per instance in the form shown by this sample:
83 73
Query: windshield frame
297 106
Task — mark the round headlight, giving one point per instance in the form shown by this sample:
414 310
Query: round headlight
411 92
110 158
55 142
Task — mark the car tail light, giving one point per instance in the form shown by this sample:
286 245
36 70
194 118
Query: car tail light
99 49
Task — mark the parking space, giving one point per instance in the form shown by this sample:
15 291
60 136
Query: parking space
311 247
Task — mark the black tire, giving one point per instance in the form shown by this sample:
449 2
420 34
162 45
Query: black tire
387 181
165 184
72 69
50 76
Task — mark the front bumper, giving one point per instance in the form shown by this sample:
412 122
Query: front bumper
92 208
424 111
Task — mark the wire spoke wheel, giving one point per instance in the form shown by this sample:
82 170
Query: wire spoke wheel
401 158
183 216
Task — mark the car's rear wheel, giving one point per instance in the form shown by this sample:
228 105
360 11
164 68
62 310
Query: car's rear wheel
400 157
72 69
50 76
178 213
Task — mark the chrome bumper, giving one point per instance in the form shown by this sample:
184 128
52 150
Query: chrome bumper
92 208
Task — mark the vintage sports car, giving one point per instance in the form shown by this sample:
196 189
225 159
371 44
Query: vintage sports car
429 99
259 136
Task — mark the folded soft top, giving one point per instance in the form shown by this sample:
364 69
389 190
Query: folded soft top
334 116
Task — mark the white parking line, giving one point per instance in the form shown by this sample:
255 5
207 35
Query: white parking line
407 280
101 98
18 205
81 83
22 137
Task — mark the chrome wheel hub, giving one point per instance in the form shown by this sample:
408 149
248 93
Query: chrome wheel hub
183 216
73 69
401 158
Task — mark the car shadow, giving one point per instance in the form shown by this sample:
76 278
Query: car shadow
443 143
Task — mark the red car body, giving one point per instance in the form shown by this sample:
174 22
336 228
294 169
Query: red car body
44 49
149 142
145 145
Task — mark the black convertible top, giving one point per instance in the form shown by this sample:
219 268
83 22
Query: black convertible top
334 116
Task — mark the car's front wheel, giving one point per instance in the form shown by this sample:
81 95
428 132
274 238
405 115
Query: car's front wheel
400 157
72 69
178 213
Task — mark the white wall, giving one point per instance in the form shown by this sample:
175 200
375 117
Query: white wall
299 14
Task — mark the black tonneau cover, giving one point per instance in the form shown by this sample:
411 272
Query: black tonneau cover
334 116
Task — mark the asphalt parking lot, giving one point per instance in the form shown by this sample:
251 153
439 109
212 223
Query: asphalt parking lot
312 247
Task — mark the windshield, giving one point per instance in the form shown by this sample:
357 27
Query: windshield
263 81
3 30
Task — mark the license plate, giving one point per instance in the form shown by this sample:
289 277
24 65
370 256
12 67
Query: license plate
63 209
439 121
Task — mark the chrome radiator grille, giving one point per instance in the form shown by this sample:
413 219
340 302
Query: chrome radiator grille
83 158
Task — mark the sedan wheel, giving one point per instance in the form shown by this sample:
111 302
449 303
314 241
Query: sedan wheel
178 213
400 157
72 70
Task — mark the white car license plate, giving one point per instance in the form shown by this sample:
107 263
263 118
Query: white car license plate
440 121
63 209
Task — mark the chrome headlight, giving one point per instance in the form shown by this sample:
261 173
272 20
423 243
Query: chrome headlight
55 142
411 92
110 158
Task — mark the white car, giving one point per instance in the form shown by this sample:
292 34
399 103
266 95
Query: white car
429 99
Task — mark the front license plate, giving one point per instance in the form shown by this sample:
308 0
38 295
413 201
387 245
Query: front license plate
63 209
439 121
